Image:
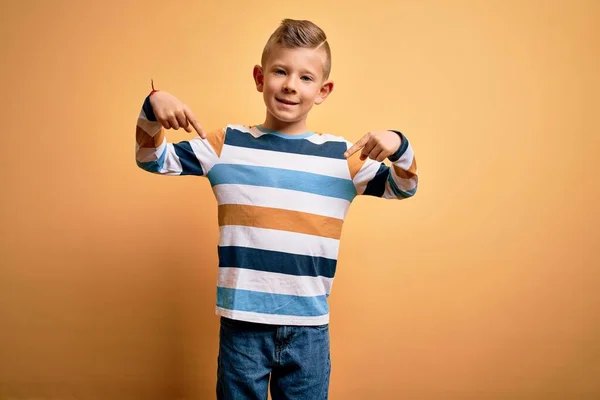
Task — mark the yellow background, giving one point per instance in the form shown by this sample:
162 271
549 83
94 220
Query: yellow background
483 286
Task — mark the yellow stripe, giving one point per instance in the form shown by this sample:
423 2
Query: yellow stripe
147 141
406 174
355 164
279 219
216 139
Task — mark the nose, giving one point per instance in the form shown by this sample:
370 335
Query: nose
289 86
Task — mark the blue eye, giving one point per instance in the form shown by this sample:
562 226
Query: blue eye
307 78
279 71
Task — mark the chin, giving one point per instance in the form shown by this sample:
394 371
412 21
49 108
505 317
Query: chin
284 117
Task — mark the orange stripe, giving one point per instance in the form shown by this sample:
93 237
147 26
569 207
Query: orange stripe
407 174
147 141
216 139
276 218
355 164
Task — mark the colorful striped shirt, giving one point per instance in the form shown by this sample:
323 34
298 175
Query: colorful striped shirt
282 200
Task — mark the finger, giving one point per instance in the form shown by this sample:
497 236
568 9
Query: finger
369 147
182 121
164 122
173 121
190 116
381 156
357 146
375 152
161 120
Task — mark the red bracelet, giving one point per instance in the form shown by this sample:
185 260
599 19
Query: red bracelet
153 90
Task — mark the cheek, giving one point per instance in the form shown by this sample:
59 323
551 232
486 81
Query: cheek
271 86
311 93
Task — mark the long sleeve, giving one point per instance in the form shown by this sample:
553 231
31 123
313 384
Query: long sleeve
374 178
191 157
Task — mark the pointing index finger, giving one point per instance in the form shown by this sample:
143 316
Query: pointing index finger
357 146
190 116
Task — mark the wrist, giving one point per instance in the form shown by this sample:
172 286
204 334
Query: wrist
401 149
147 106
148 109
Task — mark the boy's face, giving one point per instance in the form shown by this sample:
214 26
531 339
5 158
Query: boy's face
292 82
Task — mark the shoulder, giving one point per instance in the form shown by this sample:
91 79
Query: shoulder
236 129
231 130
326 137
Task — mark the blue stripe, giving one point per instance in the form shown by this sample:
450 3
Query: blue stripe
376 186
271 303
189 162
409 193
398 192
147 107
401 150
282 179
330 149
154 166
276 261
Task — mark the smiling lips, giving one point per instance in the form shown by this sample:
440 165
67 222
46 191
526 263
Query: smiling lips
291 103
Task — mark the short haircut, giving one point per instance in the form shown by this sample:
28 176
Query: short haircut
299 33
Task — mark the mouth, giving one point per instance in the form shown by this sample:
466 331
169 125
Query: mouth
289 103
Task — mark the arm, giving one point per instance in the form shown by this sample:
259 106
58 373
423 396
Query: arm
155 154
372 177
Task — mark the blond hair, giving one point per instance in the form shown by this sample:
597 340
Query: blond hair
299 33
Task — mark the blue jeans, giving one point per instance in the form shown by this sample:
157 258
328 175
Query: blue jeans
295 358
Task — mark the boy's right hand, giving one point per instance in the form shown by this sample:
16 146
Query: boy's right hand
171 113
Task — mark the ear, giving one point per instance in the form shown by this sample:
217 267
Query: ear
326 89
259 78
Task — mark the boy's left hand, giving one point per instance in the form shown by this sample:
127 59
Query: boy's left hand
376 145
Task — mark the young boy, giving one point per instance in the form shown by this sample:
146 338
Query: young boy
282 192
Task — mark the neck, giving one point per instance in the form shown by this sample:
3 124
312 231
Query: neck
288 128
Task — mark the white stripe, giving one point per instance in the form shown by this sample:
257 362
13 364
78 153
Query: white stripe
150 127
281 198
406 160
388 192
272 319
147 154
204 153
276 240
242 128
172 164
403 183
337 168
365 174
325 137
272 282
